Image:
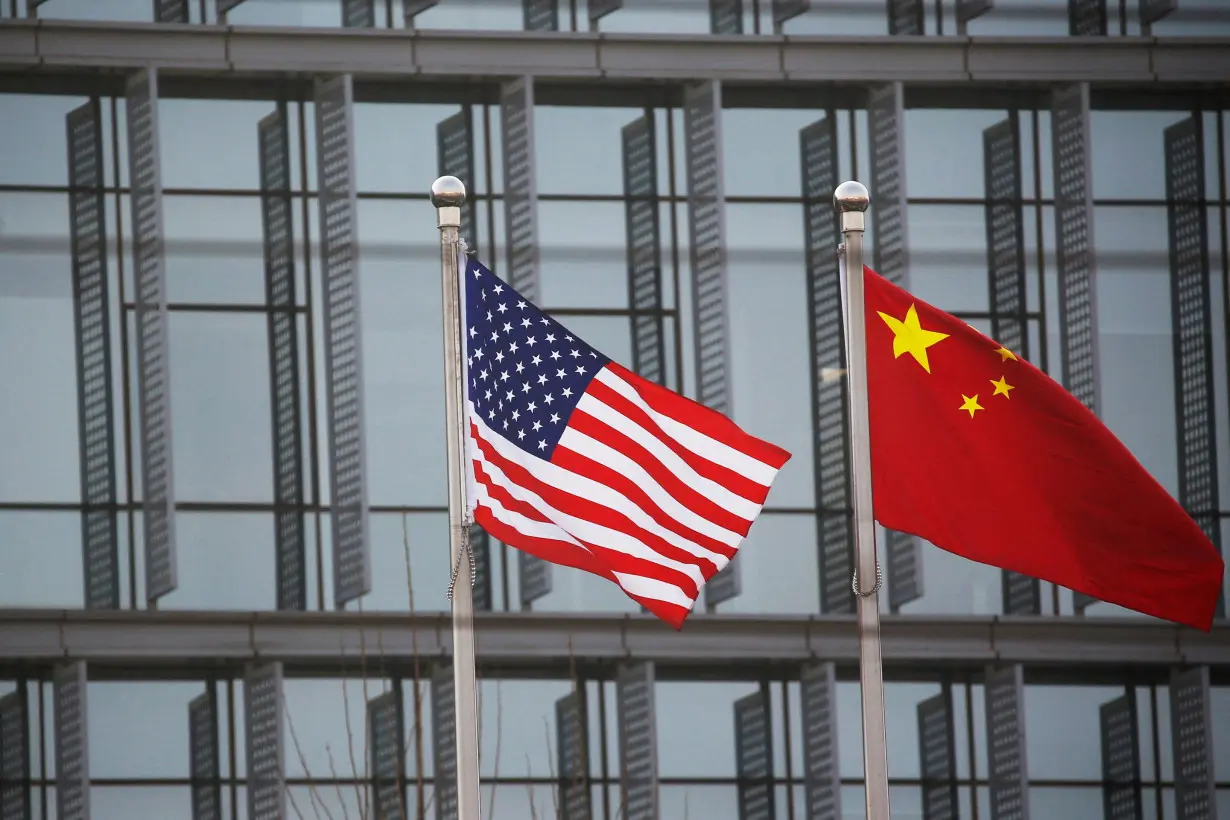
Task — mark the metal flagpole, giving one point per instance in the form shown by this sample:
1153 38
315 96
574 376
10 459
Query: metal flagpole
851 201
448 194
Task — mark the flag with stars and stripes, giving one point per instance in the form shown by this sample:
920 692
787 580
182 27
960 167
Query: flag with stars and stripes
578 461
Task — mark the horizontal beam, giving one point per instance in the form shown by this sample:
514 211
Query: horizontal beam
168 643
256 52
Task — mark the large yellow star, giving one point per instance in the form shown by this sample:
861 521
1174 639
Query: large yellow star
910 337
1005 354
1002 387
971 404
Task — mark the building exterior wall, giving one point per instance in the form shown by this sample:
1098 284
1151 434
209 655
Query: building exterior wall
177 314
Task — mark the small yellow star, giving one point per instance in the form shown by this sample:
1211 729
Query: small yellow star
1005 354
971 404
910 337
1002 387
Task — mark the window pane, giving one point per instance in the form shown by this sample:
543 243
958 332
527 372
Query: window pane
226 562
36 144
578 150
41 556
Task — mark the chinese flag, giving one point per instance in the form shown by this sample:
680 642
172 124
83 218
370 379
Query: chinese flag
982 454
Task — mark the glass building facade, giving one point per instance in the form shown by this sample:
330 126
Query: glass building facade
220 313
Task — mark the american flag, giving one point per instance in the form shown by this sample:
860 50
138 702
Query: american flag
579 461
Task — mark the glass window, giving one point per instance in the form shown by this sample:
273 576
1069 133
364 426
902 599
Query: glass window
694 740
1063 738
583 257
760 151
227 561
422 538
778 566
219 406
475 14
326 726
944 152
1021 18
948 256
1219 709
953 585
518 735
278 13
578 150
396 151
1073 801
126 802
710 801
1130 140
111 10
403 359
41 556
656 17
38 417
36 150
770 362
149 721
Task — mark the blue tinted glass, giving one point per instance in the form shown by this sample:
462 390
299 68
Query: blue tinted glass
36 148
41 554
226 562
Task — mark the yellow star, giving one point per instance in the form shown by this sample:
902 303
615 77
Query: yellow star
1002 387
971 404
1005 354
910 337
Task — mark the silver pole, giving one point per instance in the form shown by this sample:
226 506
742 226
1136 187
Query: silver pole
851 201
448 194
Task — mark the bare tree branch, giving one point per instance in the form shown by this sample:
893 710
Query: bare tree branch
354 768
337 781
546 731
312 793
529 787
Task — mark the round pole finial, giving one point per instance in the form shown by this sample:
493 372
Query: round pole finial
448 192
851 196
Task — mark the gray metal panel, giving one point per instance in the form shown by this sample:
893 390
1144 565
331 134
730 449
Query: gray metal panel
1192 325
263 741
906 17
971 10
886 132
153 355
1191 732
702 110
638 741
725 16
1005 231
205 755
937 754
534 577
1153 11
385 733
786 10
15 756
520 186
572 746
1087 18
413 8
1022 595
1006 770
641 214
277 220
821 763
1120 759
72 744
92 319
1081 602
171 11
601 8
540 15
829 415
480 546
339 254
359 13
444 740
726 584
1078 333
455 157
754 756
702 113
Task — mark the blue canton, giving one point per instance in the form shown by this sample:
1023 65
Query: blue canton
526 371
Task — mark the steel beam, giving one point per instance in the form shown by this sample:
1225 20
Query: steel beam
255 52
168 643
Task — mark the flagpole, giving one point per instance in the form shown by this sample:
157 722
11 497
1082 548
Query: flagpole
448 194
851 201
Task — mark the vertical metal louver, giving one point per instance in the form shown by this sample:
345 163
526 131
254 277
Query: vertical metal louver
263 741
1121 795
1087 18
906 17
385 732
821 763
92 324
829 414
15 802
1191 731
886 131
204 755
644 248
1007 774
1192 327
638 742
754 756
937 753
153 354
171 11
444 739
72 743
455 157
339 255
359 13
725 16
277 222
572 758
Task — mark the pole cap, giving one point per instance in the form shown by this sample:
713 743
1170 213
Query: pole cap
851 196
448 192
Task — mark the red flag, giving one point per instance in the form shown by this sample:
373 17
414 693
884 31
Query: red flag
984 455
